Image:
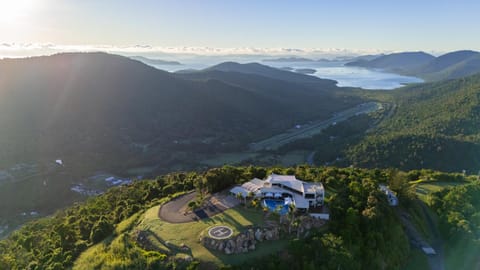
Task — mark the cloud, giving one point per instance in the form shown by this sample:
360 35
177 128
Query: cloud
34 49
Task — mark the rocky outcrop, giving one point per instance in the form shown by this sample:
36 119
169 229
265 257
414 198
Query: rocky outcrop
243 242
248 240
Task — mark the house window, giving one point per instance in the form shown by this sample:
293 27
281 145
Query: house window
309 196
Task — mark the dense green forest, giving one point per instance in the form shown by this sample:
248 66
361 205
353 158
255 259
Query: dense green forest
431 125
459 212
360 218
434 125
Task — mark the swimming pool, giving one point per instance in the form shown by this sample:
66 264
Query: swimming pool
274 205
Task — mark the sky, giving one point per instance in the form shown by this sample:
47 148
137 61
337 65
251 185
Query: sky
234 26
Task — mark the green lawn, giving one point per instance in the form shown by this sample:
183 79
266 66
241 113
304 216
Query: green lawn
425 188
189 233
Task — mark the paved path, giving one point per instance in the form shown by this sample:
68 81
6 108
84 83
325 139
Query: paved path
436 262
176 211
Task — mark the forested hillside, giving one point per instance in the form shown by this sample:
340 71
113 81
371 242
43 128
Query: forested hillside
434 125
396 62
360 217
459 211
100 111
450 66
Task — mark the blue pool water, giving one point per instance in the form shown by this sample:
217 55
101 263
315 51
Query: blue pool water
273 204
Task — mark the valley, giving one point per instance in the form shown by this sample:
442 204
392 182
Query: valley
239 135
313 128
308 121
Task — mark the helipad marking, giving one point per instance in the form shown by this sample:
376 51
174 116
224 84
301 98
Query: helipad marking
220 232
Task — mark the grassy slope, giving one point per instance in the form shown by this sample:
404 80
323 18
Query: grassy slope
188 233
184 233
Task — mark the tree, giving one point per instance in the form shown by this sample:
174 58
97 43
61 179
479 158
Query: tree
250 195
239 196
192 205
101 229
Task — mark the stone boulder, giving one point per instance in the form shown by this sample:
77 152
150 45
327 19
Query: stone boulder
221 246
268 235
259 235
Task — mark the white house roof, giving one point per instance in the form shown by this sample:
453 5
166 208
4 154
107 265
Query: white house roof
312 187
286 180
392 199
258 182
429 251
241 190
275 190
250 187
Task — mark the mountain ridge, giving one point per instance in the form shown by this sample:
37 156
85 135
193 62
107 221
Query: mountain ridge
451 65
396 62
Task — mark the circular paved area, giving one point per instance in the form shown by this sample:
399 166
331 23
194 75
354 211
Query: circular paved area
220 232
176 211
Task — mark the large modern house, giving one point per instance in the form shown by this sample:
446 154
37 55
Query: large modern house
287 188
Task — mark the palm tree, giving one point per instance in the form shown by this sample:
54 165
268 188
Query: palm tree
254 203
250 196
291 216
239 195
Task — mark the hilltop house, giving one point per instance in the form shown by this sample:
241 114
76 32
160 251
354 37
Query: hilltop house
303 195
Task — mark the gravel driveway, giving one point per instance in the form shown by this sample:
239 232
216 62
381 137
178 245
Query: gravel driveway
175 211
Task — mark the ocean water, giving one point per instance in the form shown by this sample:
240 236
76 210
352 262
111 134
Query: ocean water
365 78
354 76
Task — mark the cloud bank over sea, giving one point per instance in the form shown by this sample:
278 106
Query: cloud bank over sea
35 49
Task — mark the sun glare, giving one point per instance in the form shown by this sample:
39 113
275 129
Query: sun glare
12 11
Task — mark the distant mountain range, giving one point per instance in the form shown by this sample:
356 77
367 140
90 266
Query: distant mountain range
305 70
448 66
289 60
294 59
158 62
451 65
396 62
270 72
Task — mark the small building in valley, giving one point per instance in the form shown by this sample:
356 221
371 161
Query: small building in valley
391 197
